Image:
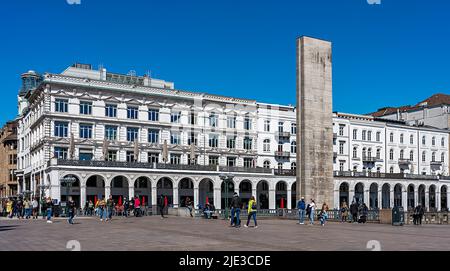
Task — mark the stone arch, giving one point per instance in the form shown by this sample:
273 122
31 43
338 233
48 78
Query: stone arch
359 192
398 195
95 187
410 197
281 188
185 190
206 191
373 196
245 190
119 187
432 198
143 189
443 198
386 196
70 190
344 189
164 187
421 195
262 194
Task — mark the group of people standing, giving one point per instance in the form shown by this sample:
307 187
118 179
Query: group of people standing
358 211
20 208
309 211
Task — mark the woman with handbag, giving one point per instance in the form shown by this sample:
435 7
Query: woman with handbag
251 212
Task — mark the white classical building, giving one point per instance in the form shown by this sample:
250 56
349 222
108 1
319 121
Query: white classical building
126 135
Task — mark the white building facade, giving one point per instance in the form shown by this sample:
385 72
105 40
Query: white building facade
125 136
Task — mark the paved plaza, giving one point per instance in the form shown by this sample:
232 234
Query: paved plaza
177 233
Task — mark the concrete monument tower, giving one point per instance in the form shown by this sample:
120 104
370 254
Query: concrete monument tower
314 120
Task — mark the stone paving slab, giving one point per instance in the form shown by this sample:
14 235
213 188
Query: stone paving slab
196 234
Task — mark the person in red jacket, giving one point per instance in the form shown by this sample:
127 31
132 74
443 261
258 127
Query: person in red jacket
137 207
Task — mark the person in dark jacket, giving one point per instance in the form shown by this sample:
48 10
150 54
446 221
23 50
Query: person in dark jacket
418 215
354 211
72 209
301 206
236 204
161 206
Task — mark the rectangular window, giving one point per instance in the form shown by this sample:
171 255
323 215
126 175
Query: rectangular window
86 108
247 143
130 156
153 157
192 119
378 136
248 162
132 134
175 138
213 141
132 112
175 117
231 122
341 130
153 136
341 147
112 156
267 126
213 120
231 161
175 159
247 124
85 130
214 160
192 139
111 110
341 166
111 133
60 153
280 127
13 159
61 105
86 155
294 128
192 161
61 129
153 114
231 142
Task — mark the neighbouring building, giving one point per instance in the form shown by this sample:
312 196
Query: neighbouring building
8 159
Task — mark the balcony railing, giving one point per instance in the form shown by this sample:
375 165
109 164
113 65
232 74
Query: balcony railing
404 162
282 154
369 159
187 167
95 163
246 169
356 174
436 163
285 172
283 134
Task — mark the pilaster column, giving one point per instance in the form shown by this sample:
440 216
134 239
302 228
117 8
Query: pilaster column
254 194
196 197
289 199
416 196
380 199
175 197
218 198
438 200
82 196
405 199
236 189
154 196
272 199
367 197
448 199
107 192
130 191
336 200
391 198
427 199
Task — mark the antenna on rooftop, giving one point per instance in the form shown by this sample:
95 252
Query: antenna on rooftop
149 73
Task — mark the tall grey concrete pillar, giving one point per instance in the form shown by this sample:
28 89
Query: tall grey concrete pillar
314 120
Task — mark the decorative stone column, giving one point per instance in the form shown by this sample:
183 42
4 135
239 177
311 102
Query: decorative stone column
175 197
130 191
217 198
82 195
272 204
416 196
289 199
391 198
438 200
405 199
380 199
448 199
107 191
196 197
254 193
427 199
367 197
154 196
351 196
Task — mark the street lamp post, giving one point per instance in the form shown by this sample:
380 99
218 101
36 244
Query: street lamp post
42 188
226 178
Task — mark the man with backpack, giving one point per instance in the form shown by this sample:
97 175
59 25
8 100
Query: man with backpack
236 210
301 206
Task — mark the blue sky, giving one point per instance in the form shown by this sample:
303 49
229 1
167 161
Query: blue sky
390 54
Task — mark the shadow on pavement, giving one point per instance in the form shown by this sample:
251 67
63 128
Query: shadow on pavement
7 228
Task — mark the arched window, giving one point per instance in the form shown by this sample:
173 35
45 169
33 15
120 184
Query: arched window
294 147
355 152
369 135
411 139
424 156
433 141
402 154
369 152
391 137
266 145
364 153
266 164
355 134
378 153
401 138
411 156
391 154
433 157
424 140
391 170
293 166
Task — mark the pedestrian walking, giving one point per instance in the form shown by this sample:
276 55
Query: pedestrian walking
161 206
323 215
102 209
137 207
71 210
125 207
49 209
109 207
90 208
344 212
301 206
236 204
312 209
251 210
363 211
9 208
27 207
35 206
418 215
